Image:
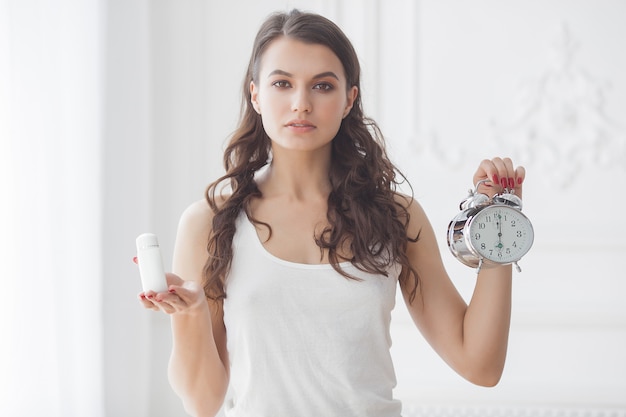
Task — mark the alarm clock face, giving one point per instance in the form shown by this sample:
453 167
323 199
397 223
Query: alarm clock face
500 234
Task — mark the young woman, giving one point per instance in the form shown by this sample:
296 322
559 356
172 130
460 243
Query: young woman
283 282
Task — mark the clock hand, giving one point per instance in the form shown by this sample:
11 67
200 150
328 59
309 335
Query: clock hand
499 223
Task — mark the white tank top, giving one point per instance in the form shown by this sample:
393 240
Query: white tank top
305 341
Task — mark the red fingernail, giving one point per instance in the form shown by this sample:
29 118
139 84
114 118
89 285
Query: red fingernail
172 290
135 260
495 179
503 182
511 183
519 181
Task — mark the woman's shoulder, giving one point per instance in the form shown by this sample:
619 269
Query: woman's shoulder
198 215
415 211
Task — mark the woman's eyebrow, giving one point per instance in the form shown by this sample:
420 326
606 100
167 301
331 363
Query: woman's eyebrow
320 75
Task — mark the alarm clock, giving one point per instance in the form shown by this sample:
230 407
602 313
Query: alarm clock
490 231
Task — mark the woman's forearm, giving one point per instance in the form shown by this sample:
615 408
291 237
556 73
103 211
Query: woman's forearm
196 371
486 325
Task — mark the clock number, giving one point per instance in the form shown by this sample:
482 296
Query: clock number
512 223
482 225
518 233
477 236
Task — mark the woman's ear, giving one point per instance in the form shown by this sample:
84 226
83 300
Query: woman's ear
254 94
352 95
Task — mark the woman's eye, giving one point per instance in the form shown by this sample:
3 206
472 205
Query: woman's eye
323 86
281 84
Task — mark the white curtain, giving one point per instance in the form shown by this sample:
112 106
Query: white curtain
50 208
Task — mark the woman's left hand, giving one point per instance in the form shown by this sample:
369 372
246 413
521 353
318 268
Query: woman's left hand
501 174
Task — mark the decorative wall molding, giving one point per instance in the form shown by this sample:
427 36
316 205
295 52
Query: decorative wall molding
428 145
510 411
562 123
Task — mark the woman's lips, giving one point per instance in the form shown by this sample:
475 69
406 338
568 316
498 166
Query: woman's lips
300 125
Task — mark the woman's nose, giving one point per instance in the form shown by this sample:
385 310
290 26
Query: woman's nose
301 101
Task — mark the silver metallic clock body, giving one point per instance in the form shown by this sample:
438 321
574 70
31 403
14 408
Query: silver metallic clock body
490 231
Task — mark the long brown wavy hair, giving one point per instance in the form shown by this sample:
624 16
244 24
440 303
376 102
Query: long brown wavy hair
363 213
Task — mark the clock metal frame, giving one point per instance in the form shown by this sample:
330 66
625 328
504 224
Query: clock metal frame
458 237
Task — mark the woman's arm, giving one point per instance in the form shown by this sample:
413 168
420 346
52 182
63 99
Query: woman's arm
198 368
472 338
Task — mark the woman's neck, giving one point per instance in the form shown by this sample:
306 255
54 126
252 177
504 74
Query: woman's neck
298 175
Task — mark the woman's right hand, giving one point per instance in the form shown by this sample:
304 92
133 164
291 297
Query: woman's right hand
186 297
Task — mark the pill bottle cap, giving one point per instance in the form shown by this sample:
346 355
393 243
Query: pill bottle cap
147 240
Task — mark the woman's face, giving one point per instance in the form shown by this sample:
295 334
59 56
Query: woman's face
301 94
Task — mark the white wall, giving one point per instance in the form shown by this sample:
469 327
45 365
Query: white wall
493 80
447 81
128 187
